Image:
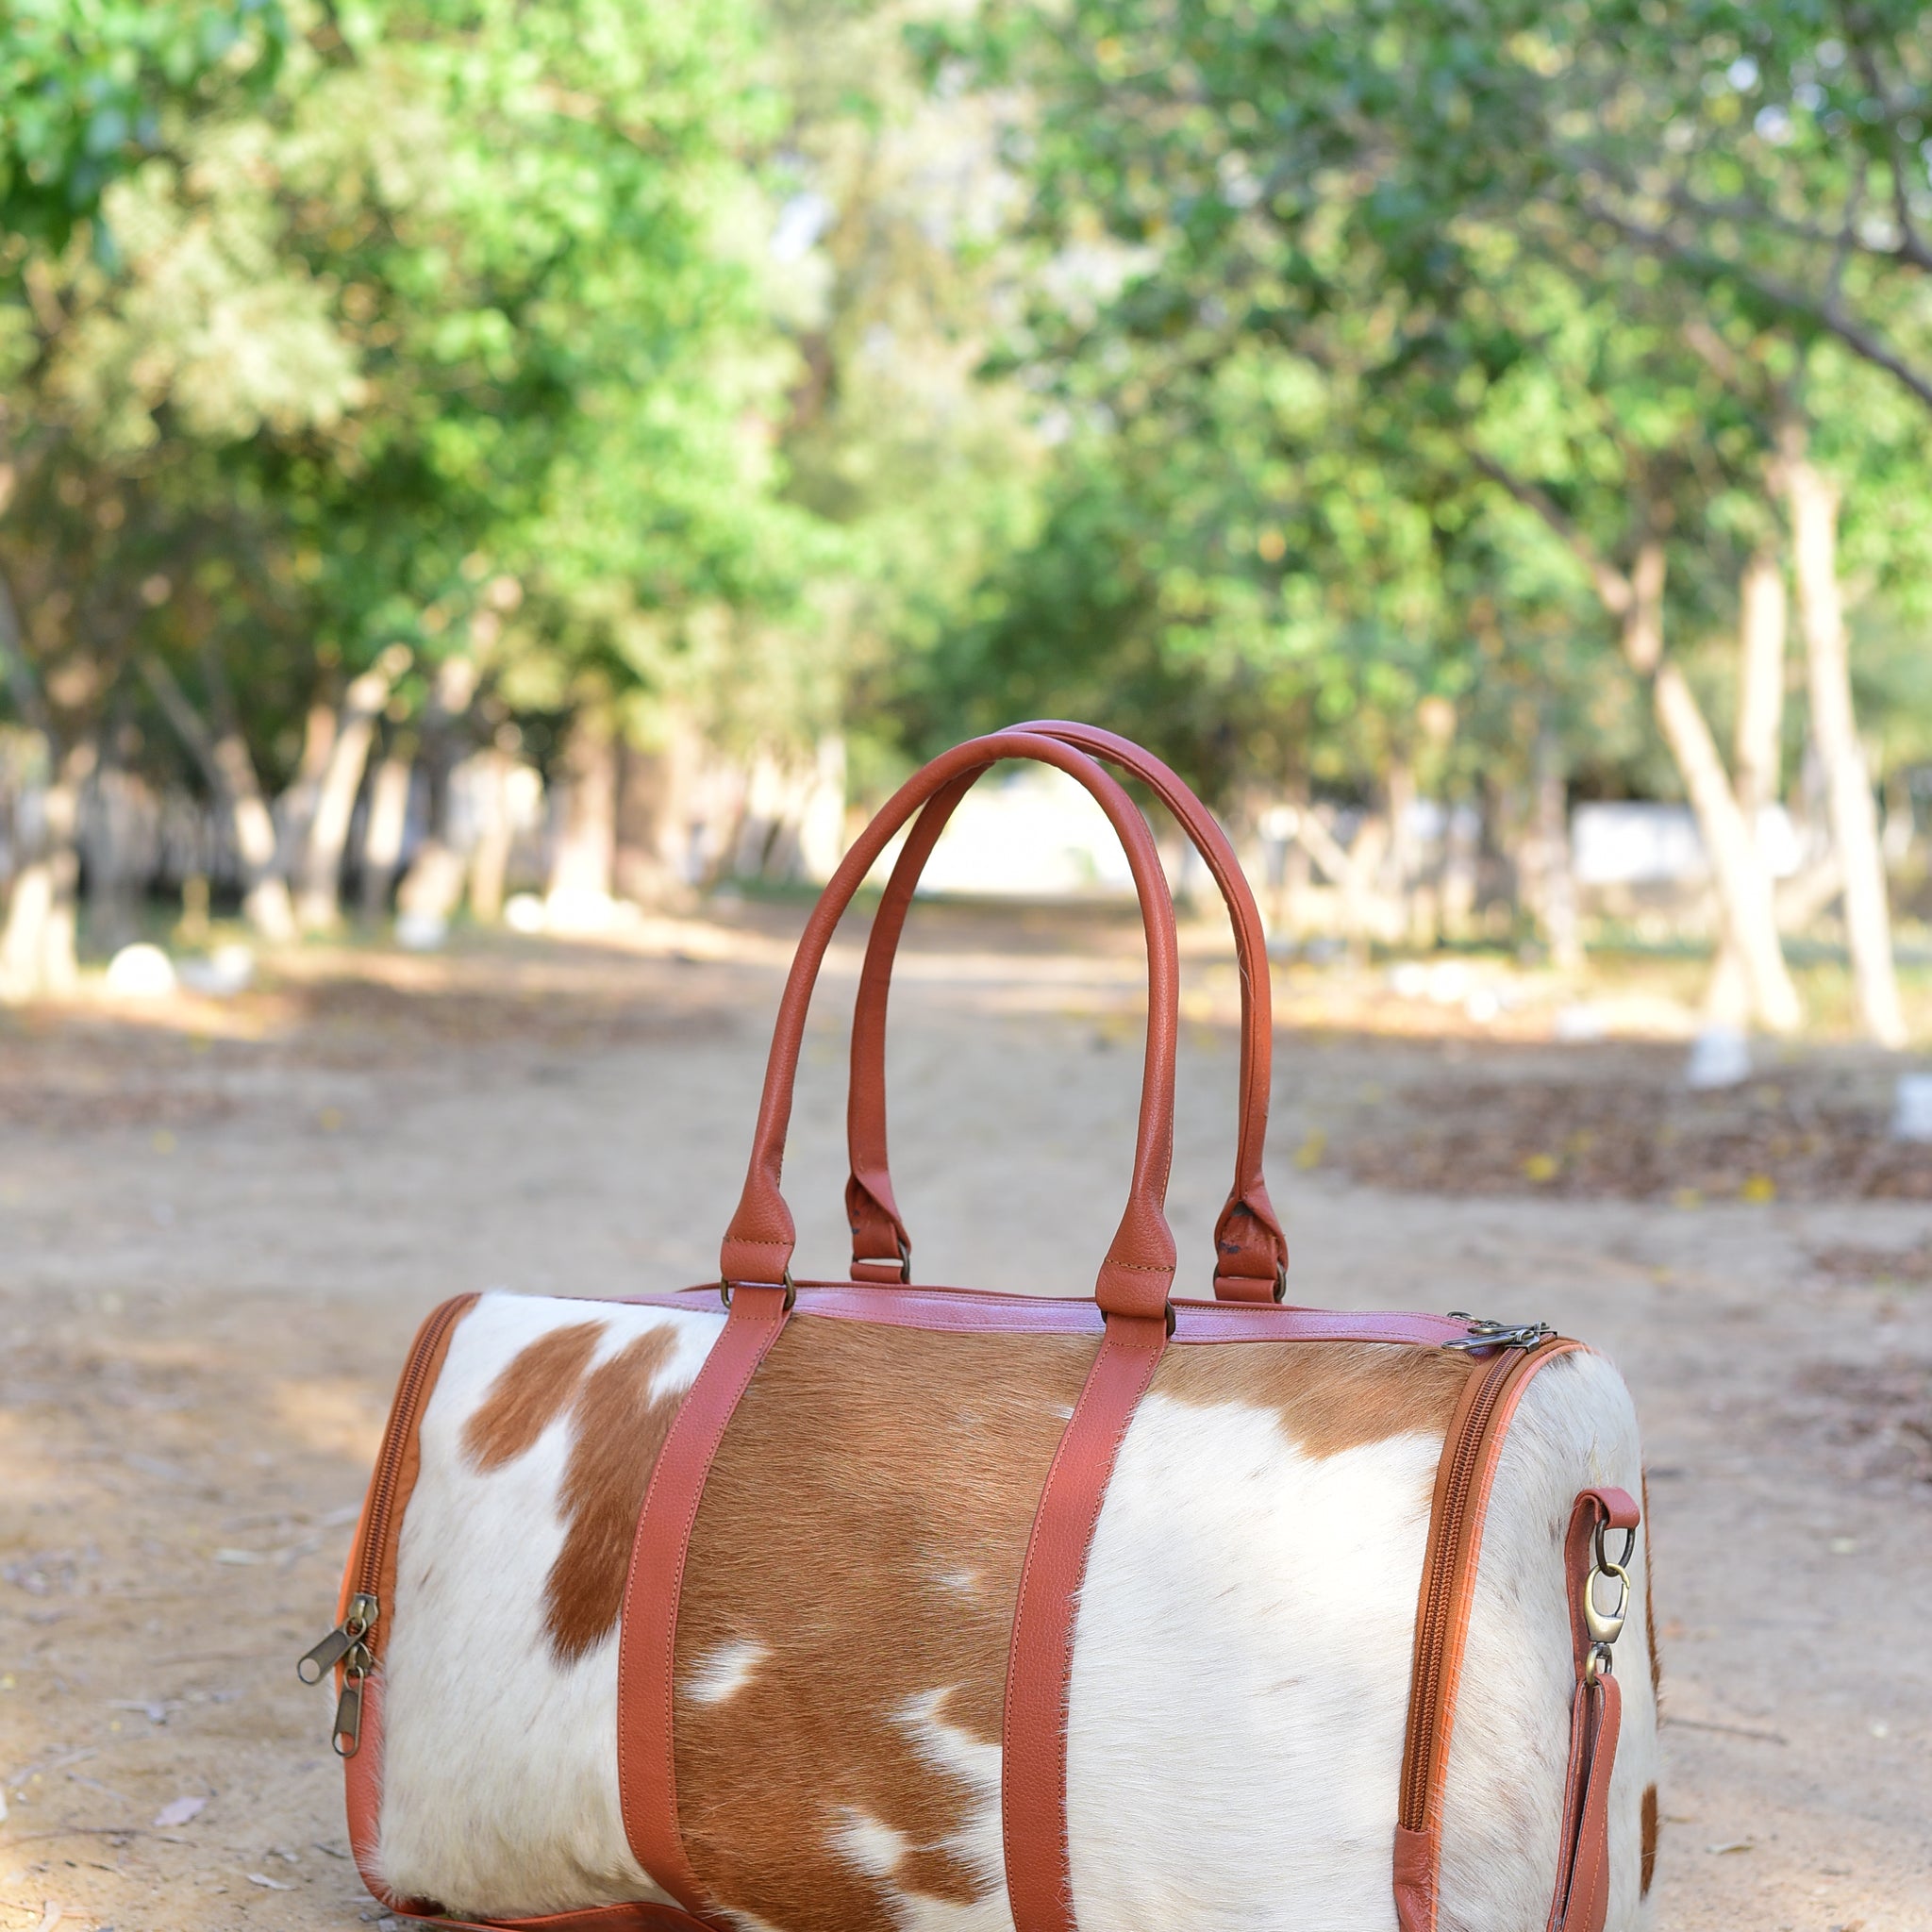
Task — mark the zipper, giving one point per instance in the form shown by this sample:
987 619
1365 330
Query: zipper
351 1644
1518 1346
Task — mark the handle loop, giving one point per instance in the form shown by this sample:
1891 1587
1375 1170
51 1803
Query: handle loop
1138 1272
1251 1252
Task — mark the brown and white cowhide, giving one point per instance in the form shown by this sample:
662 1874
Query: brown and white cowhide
1241 1651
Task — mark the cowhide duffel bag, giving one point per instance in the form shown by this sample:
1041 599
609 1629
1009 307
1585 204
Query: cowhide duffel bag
854 1606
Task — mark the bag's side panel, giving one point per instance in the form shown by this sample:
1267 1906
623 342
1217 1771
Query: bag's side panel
847 1610
1502 1794
1242 1653
499 1674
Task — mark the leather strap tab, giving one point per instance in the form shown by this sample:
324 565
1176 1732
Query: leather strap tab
1033 1763
646 1656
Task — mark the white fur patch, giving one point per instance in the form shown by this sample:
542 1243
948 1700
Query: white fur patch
499 1791
1241 1676
722 1674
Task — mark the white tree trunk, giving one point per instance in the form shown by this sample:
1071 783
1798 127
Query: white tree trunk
1743 881
582 864
294 810
382 837
1556 881
1757 764
495 834
1814 502
318 897
37 959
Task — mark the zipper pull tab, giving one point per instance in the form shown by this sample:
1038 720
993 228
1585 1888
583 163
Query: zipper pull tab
363 1611
345 1733
1485 1334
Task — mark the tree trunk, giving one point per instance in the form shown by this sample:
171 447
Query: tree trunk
389 822
1813 502
1556 883
495 834
106 839
1461 845
294 810
37 950
229 769
318 896
1756 765
1743 884
1761 684
821 821
582 864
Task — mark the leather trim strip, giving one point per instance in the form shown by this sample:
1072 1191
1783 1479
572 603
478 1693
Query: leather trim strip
1033 1761
646 1752
960 1310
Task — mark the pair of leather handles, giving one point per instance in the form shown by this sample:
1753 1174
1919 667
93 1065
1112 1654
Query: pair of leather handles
1138 1272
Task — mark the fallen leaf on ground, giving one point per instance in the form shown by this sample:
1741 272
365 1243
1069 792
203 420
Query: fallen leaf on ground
1737 1844
179 1811
266 1883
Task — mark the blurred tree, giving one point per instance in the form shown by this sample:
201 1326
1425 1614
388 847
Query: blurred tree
363 338
1413 200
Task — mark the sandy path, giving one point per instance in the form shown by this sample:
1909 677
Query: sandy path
214 1248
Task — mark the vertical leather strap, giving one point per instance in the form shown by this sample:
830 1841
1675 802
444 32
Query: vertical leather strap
1582 1899
1033 1763
646 1655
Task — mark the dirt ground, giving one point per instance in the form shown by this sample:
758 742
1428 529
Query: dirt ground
220 1222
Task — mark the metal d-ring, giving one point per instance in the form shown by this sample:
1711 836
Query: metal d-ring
725 1286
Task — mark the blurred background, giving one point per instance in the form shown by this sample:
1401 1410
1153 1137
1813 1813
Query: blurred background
494 491
455 457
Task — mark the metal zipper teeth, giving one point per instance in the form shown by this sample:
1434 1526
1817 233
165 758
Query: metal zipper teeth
1433 1633
395 1436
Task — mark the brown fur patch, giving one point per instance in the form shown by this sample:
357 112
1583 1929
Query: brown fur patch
1649 1840
865 1521
619 1431
533 1390
1330 1395
618 1428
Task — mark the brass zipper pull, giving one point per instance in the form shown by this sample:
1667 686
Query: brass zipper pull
1484 1334
363 1611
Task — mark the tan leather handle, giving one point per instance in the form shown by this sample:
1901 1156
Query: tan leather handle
1251 1252
1138 1272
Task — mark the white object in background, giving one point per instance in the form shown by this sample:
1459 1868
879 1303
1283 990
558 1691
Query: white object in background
1032 833
141 973
1911 1117
420 932
1720 1057
225 971
1638 842
1581 1022
523 913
